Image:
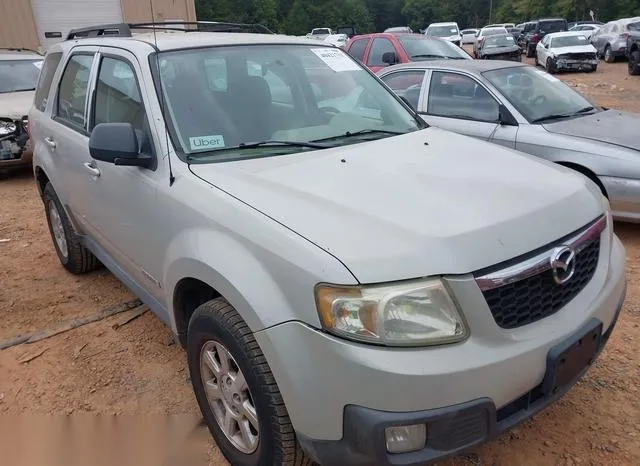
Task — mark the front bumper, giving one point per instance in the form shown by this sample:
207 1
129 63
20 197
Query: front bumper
585 64
451 430
340 395
624 196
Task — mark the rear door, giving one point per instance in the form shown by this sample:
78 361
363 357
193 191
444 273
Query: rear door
459 103
407 83
357 49
67 136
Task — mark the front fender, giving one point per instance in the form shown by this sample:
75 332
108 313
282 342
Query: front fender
252 279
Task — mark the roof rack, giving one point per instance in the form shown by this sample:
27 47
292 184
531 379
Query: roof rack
124 29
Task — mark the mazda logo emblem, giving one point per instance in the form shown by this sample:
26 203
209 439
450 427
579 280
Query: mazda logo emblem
563 264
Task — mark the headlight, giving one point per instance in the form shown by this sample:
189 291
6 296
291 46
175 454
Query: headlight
7 127
419 313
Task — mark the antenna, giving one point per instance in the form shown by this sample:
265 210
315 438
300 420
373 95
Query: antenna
162 104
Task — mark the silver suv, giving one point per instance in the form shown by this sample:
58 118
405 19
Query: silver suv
351 286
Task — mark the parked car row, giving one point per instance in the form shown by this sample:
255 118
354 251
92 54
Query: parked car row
318 225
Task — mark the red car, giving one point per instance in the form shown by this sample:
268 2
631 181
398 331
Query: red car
383 49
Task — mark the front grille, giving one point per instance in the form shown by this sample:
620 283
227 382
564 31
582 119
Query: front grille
536 295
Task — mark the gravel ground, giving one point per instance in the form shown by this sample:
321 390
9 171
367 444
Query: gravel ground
137 369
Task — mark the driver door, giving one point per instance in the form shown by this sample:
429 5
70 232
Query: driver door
459 103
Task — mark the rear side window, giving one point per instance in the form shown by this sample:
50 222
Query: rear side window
552 26
72 95
357 49
49 68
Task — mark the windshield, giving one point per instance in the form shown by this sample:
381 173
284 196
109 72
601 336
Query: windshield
552 26
498 41
19 75
442 31
535 93
418 49
493 32
569 41
221 98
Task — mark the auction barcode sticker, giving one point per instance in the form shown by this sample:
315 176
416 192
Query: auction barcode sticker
337 60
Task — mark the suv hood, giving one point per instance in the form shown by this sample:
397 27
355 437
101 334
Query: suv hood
397 208
611 126
15 105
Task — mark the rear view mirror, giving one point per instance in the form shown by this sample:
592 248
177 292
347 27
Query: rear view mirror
389 58
117 143
505 117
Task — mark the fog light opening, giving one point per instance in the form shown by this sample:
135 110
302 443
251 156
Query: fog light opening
404 439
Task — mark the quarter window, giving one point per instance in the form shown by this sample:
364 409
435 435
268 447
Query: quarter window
118 98
72 96
457 96
49 68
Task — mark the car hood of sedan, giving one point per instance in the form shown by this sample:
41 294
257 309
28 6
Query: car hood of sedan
611 126
574 49
16 105
425 203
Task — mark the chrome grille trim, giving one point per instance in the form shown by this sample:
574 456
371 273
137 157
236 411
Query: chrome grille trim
541 262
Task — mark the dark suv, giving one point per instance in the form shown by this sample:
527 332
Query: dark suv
542 28
633 48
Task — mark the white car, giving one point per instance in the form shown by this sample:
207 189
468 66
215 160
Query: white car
586 29
19 71
447 31
564 51
469 35
483 33
339 40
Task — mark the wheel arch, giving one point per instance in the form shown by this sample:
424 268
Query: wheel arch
586 172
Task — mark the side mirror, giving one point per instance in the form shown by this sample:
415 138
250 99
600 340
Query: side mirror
505 117
389 58
117 143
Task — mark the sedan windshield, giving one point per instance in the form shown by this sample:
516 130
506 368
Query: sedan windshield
499 41
419 48
19 75
537 95
442 31
253 101
569 41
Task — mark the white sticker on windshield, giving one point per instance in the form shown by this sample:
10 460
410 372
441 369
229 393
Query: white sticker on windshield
206 142
337 60
453 30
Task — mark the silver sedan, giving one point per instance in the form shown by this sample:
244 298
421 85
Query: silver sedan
527 109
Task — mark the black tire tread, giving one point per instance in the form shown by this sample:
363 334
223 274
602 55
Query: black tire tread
288 451
80 260
634 63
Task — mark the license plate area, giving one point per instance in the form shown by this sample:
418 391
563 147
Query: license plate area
567 360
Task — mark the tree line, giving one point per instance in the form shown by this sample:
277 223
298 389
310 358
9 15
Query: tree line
298 17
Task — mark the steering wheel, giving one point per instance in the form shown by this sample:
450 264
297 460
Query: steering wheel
540 100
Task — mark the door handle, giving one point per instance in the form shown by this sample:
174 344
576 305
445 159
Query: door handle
50 142
91 168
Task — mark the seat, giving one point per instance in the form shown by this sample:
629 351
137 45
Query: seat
251 97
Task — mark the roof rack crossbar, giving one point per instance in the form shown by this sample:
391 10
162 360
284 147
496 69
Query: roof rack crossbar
124 29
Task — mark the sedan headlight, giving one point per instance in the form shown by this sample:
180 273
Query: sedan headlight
418 313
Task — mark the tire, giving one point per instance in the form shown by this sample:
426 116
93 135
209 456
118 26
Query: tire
593 69
72 254
551 67
216 327
608 55
530 51
634 63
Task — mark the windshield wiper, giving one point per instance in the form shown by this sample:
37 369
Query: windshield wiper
558 116
254 145
349 134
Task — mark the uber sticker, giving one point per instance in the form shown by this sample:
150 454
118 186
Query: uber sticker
336 59
206 142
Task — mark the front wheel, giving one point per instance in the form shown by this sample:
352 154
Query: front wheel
608 55
237 392
551 67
